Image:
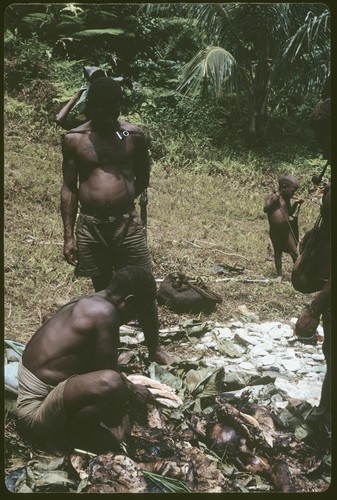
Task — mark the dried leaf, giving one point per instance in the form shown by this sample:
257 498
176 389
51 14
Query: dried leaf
163 393
47 464
53 477
266 425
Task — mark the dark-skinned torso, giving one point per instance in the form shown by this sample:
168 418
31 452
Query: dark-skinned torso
278 210
81 337
104 165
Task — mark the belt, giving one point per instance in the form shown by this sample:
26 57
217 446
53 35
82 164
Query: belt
104 214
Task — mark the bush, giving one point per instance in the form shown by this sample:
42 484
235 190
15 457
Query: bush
17 111
25 61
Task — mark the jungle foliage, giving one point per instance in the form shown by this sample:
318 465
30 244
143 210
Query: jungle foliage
233 76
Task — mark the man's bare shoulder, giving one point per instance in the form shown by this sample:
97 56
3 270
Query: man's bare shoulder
94 303
94 310
81 128
71 137
130 127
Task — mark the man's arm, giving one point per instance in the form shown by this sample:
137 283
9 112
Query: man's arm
142 165
62 116
69 202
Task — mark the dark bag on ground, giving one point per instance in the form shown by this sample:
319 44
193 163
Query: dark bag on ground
179 294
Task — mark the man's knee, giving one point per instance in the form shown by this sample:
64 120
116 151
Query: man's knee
110 383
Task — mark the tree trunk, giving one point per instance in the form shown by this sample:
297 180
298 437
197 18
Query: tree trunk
258 117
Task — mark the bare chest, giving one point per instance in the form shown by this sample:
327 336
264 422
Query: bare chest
98 151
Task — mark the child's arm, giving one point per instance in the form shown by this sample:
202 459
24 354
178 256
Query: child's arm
295 205
272 202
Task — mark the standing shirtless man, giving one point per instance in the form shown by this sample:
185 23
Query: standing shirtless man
106 166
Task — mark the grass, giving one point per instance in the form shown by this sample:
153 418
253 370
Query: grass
196 219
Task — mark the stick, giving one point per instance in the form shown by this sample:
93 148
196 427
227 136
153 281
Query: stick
193 244
143 209
244 280
218 280
217 249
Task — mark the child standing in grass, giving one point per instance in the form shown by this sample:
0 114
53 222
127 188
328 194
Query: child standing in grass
283 227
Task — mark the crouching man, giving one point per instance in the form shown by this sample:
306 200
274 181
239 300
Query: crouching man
69 383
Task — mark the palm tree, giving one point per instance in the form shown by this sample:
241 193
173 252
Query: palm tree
260 51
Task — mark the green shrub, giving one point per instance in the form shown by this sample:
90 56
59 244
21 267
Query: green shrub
25 61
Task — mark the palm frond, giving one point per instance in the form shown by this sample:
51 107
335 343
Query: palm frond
164 9
213 65
315 31
74 9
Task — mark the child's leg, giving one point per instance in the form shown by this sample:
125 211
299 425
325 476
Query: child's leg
278 262
292 248
294 256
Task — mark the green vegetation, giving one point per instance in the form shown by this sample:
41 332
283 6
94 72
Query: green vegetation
208 182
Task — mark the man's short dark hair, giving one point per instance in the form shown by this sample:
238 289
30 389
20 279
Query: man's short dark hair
104 96
134 280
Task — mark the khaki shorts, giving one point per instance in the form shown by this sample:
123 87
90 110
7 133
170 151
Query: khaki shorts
40 407
107 244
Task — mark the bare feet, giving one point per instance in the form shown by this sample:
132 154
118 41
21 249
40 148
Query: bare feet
161 357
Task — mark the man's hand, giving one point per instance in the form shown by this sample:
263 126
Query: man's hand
138 393
142 395
70 251
306 326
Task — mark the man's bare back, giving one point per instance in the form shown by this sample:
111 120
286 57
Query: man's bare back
82 336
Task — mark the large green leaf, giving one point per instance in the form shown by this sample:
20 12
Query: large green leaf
100 32
18 347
